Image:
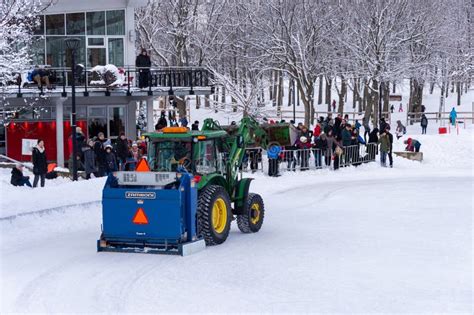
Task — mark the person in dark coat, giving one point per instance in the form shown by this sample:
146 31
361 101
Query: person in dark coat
90 164
99 149
382 124
18 179
40 165
373 138
143 63
162 122
424 124
366 125
346 135
320 148
390 140
110 161
195 126
123 151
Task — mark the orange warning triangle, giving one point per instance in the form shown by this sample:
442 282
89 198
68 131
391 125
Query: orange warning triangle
142 166
140 217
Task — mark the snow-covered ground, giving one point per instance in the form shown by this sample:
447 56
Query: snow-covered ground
358 240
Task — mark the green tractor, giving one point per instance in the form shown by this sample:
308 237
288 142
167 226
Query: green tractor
213 157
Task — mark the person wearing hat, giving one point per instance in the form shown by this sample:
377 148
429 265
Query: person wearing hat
413 145
110 160
90 163
135 155
18 179
123 151
40 165
304 147
143 64
273 154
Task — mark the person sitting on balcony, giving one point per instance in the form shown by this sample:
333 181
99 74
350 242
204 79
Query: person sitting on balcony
41 76
143 64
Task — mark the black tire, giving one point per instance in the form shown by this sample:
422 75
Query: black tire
251 221
208 197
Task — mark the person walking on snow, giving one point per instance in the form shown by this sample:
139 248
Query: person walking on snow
400 109
334 105
392 108
400 130
424 124
452 116
40 166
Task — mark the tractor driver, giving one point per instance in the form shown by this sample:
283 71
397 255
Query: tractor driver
182 155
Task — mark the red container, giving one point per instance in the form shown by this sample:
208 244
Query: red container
442 130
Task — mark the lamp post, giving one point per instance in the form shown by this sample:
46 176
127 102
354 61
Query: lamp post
73 44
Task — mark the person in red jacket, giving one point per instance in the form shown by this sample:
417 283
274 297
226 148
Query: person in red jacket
317 130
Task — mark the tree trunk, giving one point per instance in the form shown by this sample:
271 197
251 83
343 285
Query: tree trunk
365 99
320 90
342 94
280 92
386 96
416 95
328 93
290 92
394 87
458 90
275 87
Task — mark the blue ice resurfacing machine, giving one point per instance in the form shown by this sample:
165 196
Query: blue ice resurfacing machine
150 212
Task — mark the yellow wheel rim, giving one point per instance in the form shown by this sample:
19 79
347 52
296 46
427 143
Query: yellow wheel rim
219 215
255 213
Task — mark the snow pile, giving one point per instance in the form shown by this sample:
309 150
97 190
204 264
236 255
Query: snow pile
109 75
56 193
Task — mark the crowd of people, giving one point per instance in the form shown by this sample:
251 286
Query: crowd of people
100 157
332 141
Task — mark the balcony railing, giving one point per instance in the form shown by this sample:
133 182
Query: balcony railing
128 80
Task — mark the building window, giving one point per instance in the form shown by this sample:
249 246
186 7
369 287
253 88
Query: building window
55 24
116 22
75 24
96 23
116 51
37 49
55 51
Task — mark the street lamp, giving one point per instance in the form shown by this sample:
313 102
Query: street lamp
73 44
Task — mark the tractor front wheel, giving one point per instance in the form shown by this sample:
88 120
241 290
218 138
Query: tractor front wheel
214 214
252 219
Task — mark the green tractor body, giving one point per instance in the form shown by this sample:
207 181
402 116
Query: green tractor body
213 156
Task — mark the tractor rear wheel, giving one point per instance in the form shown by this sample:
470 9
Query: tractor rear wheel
214 214
252 219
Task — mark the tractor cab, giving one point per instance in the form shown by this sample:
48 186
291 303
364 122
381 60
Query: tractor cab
197 152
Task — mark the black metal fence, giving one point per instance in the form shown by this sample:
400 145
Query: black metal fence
127 78
311 159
